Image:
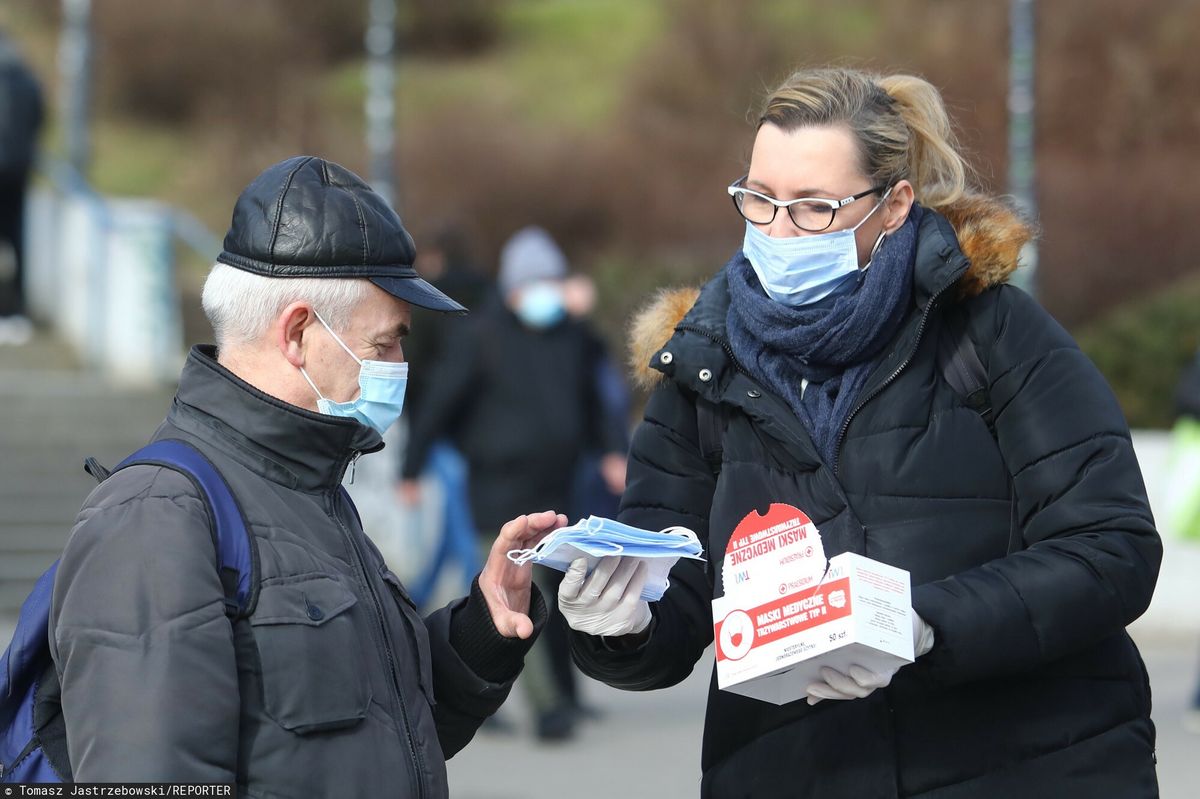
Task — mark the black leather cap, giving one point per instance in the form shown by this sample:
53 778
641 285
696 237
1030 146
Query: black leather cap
308 217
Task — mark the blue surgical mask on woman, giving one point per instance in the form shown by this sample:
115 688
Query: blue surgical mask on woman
801 270
382 385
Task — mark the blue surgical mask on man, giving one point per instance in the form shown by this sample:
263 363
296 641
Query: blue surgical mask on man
801 270
541 305
381 384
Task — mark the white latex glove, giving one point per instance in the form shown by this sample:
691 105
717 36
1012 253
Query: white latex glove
860 681
608 601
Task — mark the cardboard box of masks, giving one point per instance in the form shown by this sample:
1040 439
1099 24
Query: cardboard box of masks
787 611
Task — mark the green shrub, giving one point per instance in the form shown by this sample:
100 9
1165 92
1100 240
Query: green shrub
454 28
219 63
1142 348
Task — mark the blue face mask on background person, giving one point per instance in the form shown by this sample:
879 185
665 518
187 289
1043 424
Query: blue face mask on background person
381 390
801 270
541 305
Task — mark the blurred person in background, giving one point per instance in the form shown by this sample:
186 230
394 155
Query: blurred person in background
1024 525
21 113
517 395
446 262
331 683
600 476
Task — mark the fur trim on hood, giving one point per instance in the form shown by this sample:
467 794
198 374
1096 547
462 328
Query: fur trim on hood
652 328
990 233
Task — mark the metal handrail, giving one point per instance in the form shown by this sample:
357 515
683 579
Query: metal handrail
185 226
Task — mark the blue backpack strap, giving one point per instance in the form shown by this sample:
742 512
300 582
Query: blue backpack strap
235 552
26 663
29 641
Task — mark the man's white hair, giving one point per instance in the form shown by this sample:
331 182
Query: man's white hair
241 305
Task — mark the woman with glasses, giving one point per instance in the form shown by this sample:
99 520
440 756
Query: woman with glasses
817 370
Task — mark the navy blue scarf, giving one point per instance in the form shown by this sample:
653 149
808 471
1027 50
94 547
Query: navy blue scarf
833 344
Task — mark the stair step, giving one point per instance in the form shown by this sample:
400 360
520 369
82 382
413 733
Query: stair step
63 462
20 514
35 538
25 565
46 352
14 489
12 594
57 414
19 453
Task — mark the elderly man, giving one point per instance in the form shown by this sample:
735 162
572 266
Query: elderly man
333 685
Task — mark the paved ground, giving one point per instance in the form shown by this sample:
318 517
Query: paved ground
648 745
1172 662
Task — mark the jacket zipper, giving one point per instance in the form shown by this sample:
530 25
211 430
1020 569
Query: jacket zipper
722 343
933 301
414 753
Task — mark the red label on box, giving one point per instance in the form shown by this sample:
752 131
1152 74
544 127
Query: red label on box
743 630
756 535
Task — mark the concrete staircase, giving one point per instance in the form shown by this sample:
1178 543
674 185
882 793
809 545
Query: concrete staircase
53 414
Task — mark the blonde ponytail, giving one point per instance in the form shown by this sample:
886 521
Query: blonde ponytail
899 121
936 170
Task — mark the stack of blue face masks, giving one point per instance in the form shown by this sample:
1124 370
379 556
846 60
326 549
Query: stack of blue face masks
596 537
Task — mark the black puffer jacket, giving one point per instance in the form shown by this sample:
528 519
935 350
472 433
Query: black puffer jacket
1033 687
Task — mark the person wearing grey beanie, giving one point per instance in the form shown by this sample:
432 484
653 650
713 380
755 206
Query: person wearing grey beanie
532 270
530 255
520 400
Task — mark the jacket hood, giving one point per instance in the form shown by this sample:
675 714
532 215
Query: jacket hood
990 234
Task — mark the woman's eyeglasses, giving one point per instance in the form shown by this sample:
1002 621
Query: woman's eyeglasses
812 214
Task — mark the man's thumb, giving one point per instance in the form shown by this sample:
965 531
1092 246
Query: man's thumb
515 625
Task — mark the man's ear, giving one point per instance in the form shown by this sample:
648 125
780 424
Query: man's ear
289 330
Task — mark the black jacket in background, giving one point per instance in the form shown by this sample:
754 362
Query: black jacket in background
22 113
1032 689
432 329
1187 390
521 405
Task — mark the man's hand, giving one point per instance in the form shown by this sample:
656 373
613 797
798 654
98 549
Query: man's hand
608 602
612 469
504 584
409 491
